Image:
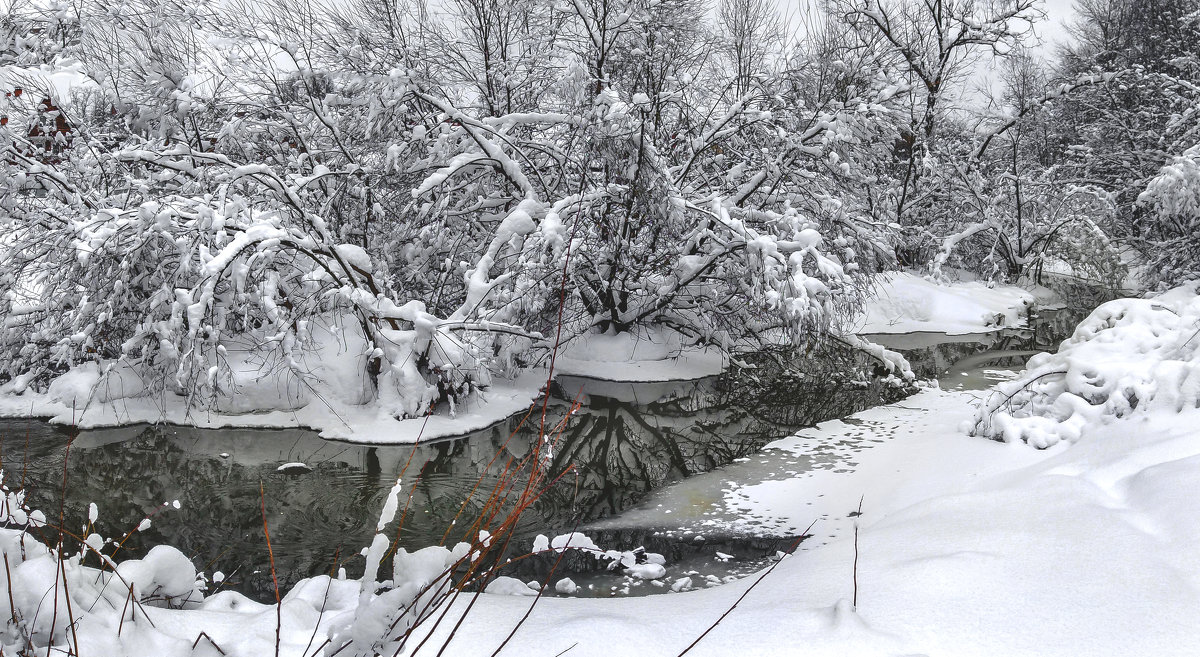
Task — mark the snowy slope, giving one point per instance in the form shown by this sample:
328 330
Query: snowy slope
906 303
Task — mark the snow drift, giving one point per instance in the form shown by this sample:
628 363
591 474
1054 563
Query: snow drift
1129 356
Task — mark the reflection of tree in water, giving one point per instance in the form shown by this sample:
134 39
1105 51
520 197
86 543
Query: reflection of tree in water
620 450
1043 334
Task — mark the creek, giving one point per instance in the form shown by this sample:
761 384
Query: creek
623 442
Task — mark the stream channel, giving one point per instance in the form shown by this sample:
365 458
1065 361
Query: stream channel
625 441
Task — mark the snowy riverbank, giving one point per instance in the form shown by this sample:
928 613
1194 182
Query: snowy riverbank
965 546
329 401
903 302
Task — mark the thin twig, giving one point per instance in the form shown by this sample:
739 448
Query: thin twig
262 497
204 635
761 577
62 566
854 602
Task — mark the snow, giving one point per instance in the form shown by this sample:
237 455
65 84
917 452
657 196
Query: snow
660 355
964 546
509 586
1129 357
60 81
332 418
332 399
164 571
907 303
646 570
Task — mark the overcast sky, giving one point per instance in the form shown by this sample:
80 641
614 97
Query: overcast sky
1057 11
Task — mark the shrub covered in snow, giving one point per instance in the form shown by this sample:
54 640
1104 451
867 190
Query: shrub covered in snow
1172 239
1129 356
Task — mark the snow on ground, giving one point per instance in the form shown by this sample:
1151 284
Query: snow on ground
331 400
906 303
891 454
660 356
332 417
966 547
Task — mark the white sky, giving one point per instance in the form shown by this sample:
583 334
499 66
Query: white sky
1057 11
1050 32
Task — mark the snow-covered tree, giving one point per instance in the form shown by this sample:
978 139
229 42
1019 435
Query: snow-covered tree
1119 135
236 189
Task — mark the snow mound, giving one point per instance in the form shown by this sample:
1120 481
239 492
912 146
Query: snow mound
164 573
504 585
906 303
645 355
1129 356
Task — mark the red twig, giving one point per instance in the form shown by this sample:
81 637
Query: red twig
262 497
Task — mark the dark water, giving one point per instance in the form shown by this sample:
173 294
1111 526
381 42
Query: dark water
625 441
934 355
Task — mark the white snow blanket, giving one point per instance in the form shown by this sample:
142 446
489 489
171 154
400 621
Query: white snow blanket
905 303
645 356
1129 357
965 547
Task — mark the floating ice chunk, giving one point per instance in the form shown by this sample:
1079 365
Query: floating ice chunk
508 586
646 570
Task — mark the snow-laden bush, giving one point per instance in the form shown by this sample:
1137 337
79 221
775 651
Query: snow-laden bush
205 295
224 192
1172 235
1129 356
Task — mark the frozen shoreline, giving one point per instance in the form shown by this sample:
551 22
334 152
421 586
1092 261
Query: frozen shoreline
366 424
904 303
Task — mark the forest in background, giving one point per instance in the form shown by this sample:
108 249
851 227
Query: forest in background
192 190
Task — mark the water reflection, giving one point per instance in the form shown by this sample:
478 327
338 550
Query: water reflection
933 355
625 441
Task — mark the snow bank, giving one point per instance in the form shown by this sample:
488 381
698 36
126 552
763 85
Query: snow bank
271 404
966 547
1130 356
906 303
645 356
